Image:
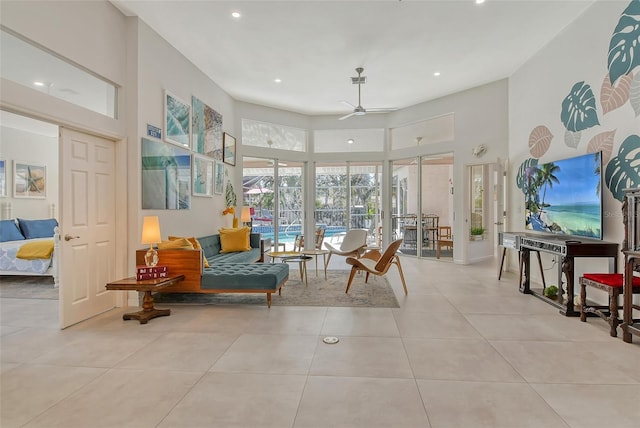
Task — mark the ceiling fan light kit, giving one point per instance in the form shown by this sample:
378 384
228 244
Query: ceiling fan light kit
359 110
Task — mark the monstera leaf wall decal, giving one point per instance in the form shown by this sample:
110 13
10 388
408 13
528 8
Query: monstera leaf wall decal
634 94
579 108
623 171
602 142
539 141
572 139
612 97
624 47
524 172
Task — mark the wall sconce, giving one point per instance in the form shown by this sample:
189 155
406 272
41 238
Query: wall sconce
151 235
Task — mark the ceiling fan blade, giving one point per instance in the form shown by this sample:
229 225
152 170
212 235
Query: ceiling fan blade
347 103
381 110
347 116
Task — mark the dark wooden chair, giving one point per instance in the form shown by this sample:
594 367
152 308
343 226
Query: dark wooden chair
611 283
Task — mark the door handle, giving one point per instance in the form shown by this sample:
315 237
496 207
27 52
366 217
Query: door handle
499 223
68 237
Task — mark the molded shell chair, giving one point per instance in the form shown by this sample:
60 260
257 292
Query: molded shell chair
352 245
372 262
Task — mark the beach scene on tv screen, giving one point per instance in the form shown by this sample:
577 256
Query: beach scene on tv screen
564 197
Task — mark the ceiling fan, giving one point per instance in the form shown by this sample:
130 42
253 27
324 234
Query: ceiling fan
359 110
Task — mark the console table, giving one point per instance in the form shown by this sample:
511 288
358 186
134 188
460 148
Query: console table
567 249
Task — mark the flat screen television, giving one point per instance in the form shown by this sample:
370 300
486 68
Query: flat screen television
565 197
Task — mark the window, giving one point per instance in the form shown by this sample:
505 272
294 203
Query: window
36 68
270 135
477 202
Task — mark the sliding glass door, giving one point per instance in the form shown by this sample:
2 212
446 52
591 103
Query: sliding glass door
422 205
348 197
274 192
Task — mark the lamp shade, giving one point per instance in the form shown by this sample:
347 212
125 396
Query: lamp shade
151 230
245 217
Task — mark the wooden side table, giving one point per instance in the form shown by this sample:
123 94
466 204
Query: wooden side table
148 285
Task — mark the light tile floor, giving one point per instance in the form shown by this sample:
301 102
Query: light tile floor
463 350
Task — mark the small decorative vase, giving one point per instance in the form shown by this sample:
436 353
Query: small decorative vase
227 221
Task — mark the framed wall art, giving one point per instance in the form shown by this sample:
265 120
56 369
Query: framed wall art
202 175
29 180
177 116
206 129
218 178
166 176
229 149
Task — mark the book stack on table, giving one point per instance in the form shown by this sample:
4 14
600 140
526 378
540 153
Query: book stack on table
151 272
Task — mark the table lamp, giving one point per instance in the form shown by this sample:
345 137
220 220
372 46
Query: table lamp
151 235
245 216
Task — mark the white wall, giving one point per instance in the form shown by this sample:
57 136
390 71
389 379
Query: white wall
536 92
160 67
28 147
481 117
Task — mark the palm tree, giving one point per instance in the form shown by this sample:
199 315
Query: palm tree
596 169
546 177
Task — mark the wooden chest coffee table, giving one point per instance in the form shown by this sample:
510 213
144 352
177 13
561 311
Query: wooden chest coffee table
148 285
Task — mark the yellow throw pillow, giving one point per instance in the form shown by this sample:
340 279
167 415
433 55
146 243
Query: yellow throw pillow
232 240
176 244
195 243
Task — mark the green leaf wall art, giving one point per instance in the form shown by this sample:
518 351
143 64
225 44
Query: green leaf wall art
624 47
579 108
524 172
623 171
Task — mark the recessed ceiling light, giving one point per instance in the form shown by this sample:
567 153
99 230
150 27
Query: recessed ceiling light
236 14
277 80
437 73
479 1
350 141
38 83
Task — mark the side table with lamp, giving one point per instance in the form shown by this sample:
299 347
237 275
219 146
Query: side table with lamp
150 235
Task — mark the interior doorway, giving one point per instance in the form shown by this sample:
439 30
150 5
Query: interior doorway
422 205
83 258
28 151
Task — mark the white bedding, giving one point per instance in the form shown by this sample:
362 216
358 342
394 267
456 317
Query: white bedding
11 265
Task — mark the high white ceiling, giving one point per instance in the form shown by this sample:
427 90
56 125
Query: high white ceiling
315 46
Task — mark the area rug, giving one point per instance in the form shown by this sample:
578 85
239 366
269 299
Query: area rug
27 287
377 293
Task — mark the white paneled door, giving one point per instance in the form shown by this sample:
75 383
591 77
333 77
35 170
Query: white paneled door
87 245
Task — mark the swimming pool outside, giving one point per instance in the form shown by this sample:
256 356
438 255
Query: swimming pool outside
287 233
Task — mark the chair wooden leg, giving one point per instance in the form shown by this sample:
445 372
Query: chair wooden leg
351 275
583 301
613 313
366 278
404 284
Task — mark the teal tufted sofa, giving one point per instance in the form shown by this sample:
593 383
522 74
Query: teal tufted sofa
237 272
